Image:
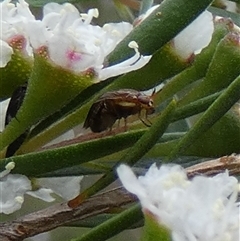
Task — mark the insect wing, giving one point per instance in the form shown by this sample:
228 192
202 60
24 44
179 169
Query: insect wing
127 95
93 113
99 117
97 109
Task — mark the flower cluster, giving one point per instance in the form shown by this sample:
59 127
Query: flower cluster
66 37
13 187
201 209
13 20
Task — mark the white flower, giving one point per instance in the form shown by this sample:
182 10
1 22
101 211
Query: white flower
13 187
73 43
13 20
202 209
68 37
195 37
15 17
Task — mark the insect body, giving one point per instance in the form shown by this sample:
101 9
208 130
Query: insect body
115 105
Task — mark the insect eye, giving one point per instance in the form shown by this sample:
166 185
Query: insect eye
150 103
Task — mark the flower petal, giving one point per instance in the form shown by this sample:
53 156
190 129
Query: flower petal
12 188
65 187
199 31
129 180
6 53
43 194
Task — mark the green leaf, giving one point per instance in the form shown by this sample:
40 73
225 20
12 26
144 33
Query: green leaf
165 22
195 107
220 140
114 225
91 222
34 164
198 68
219 107
223 69
152 74
103 164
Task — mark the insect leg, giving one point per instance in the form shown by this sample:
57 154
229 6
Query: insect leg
125 124
143 121
146 118
119 122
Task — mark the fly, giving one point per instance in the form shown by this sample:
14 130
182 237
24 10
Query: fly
115 105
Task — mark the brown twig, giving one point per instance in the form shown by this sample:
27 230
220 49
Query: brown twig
213 167
60 214
86 137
